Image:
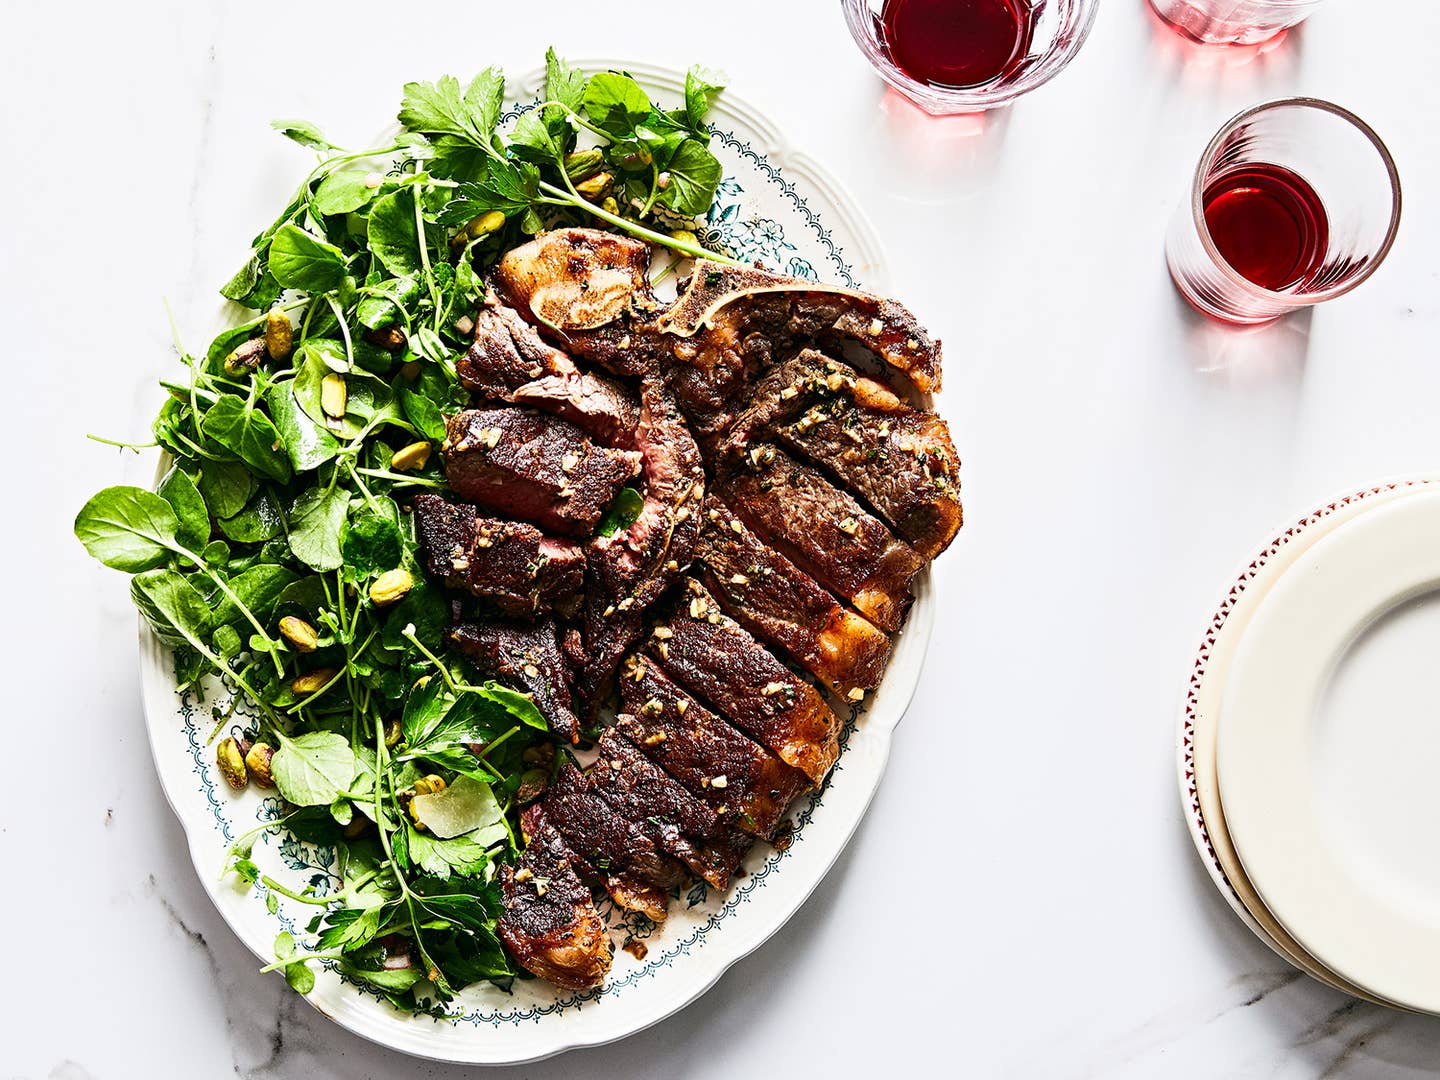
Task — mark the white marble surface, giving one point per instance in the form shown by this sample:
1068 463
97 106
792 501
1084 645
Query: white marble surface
1121 457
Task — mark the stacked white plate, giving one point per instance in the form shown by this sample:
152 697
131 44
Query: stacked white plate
1310 744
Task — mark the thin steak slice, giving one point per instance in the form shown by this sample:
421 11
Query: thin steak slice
610 850
826 532
513 565
527 659
716 659
537 468
628 571
680 824
733 773
775 600
550 924
507 353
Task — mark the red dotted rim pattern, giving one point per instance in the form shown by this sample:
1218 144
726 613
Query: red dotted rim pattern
1202 658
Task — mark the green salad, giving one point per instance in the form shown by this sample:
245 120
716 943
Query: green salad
278 556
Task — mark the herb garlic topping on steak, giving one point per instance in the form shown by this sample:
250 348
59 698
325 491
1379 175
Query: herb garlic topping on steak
696 508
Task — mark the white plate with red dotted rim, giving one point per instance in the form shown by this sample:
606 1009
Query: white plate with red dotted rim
776 206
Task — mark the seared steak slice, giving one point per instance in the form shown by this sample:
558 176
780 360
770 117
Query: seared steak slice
809 311
740 778
593 403
507 353
527 659
627 572
611 850
677 822
716 659
899 460
513 565
777 601
550 924
534 467
825 532
575 279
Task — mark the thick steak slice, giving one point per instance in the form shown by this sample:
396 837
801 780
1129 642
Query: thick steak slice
680 824
507 353
515 566
550 924
611 850
826 532
527 659
591 402
775 600
740 778
716 659
537 468
899 460
628 571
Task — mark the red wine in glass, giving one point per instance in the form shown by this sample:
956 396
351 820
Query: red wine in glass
957 43
1268 224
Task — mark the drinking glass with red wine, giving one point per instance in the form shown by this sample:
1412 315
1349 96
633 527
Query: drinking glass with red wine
965 56
1232 22
1294 202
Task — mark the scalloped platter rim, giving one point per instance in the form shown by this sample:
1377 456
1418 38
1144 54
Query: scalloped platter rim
775 205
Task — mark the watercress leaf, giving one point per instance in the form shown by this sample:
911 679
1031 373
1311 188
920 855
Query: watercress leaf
317 524
284 945
694 175
701 86
260 520
300 261
248 434
305 133
227 486
426 609
179 490
615 103
127 528
373 544
382 306
622 512
177 613
300 977
344 190
517 705
226 642
307 443
465 807
392 234
423 413
244 280
395 980
563 83
313 769
259 589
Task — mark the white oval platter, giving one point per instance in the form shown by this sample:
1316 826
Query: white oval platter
777 206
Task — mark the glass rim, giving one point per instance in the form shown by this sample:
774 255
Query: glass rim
859 20
1207 159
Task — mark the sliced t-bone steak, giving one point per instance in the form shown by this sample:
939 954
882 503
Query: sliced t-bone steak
777 601
550 924
716 659
729 770
511 564
679 823
611 850
627 572
826 532
527 659
534 467
899 460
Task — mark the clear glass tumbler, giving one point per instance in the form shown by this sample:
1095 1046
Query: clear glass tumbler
1316 147
1232 22
1056 29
